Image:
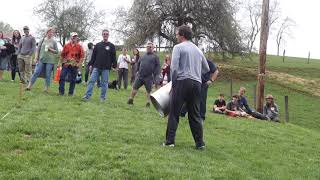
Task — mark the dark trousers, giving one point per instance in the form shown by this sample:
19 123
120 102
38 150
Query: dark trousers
203 103
123 75
133 73
203 100
86 74
185 91
72 71
14 66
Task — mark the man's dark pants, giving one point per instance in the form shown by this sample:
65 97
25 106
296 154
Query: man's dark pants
203 102
72 71
185 91
123 75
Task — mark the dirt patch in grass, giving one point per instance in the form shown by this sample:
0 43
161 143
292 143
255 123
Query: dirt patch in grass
18 151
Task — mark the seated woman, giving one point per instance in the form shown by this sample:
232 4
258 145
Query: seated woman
271 110
219 105
233 108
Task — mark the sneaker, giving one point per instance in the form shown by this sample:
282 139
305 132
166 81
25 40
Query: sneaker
168 144
130 101
148 104
70 95
85 98
28 89
200 146
102 100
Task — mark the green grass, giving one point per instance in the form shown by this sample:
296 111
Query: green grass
51 137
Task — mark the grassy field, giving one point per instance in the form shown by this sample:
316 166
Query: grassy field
291 65
51 137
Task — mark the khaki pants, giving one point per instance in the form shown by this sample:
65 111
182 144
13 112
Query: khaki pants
25 67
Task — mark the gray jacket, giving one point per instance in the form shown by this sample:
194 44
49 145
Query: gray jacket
27 45
271 113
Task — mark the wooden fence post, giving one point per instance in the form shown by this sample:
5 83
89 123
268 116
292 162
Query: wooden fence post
255 96
284 55
286 104
309 57
231 89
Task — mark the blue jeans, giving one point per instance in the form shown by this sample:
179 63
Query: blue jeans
39 67
72 71
96 73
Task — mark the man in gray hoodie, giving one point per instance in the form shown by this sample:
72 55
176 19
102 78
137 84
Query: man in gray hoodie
148 68
187 65
26 49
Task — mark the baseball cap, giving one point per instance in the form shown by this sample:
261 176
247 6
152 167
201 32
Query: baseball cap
269 96
74 34
25 27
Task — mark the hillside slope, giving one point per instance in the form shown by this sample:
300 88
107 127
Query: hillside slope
53 137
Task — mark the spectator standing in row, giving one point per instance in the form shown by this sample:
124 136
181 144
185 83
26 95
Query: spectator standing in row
3 55
27 47
46 59
71 59
134 64
123 68
16 37
87 60
103 58
166 70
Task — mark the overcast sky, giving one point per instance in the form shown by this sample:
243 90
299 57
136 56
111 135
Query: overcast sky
305 13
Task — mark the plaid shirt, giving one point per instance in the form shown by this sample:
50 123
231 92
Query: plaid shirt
72 54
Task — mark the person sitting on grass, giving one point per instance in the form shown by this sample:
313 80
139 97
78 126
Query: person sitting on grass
243 103
270 109
219 105
233 108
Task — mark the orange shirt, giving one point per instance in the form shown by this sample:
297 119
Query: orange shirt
72 54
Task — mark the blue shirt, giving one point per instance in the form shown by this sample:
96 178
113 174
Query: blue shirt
244 105
207 76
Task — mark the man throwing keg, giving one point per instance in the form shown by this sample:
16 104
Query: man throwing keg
148 68
187 65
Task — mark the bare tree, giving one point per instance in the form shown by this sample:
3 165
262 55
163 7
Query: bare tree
151 19
68 16
254 12
284 32
6 29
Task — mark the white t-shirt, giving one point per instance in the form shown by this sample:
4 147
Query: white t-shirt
121 61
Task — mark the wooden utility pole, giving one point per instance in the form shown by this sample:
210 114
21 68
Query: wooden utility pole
263 54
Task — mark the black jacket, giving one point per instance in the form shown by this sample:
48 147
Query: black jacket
10 50
103 56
